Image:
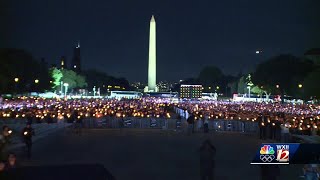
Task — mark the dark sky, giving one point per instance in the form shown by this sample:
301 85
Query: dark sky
190 34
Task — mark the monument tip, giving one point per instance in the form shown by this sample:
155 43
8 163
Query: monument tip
152 18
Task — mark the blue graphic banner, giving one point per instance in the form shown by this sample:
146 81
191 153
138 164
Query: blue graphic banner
287 153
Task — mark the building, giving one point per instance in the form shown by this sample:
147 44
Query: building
138 86
162 94
190 91
76 61
125 94
164 86
63 64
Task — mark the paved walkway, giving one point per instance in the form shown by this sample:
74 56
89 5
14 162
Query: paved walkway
308 139
41 130
152 154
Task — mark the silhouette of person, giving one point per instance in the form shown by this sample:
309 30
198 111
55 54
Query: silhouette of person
207 160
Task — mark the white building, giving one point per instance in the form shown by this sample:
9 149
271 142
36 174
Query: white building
125 94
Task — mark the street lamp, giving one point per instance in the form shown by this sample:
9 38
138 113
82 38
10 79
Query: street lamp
277 86
61 87
249 90
16 80
36 81
66 88
300 86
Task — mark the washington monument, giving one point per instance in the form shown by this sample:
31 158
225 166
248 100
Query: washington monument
152 58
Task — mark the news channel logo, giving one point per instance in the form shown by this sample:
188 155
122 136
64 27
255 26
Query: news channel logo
274 154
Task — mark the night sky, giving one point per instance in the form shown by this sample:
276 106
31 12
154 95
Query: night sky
114 34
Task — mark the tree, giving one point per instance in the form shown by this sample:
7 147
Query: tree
257 90
81 81
18 63
56 75
73 79
210 76
242 85
281 73
311 85
103 80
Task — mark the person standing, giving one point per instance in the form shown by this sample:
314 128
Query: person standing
2 166
261 126
199 124
273 130
11 162
278 130
4 142
27 134
121 125
311 172
190 124
264 127
207 160
206 124
285 134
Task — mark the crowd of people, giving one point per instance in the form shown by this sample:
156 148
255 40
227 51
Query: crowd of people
8 159
8 164
271 117
296 117
50 110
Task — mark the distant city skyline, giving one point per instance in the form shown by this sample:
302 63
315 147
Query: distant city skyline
114 35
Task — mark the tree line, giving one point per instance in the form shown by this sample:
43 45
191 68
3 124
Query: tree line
20 72
280 75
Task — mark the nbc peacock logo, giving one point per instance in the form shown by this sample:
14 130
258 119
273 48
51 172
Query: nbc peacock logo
267 154
266 149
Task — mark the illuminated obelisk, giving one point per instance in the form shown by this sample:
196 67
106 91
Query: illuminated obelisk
152 58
